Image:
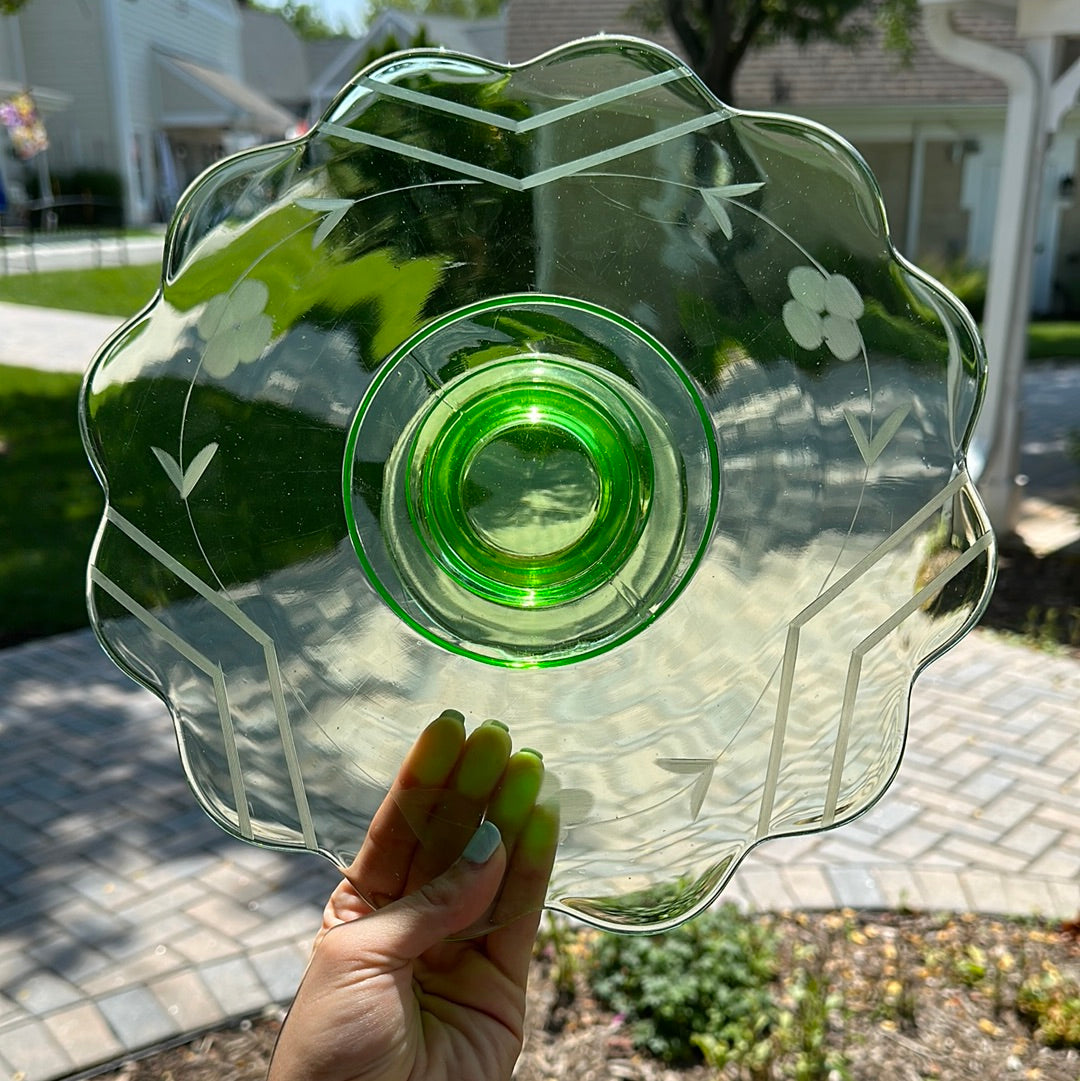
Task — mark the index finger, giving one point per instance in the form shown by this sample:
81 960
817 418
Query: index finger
380 871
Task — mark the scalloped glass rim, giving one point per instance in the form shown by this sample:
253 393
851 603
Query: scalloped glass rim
834 544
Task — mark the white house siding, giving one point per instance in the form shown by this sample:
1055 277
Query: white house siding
206 31
102 53
62 47
1065 286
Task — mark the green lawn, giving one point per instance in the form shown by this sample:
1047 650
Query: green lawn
124 290
1046 340
114 290
50 503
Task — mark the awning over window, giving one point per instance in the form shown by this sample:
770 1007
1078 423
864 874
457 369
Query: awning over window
193 96
48 101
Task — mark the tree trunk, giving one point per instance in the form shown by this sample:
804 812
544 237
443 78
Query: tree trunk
719 76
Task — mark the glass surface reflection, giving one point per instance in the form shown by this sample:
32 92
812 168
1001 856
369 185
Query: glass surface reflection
562 394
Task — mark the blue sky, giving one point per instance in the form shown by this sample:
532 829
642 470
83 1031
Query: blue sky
347 14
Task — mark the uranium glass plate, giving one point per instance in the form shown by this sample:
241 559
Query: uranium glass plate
561 394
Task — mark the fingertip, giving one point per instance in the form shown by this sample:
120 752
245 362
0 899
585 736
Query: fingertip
483 844
436 751
539 836
483 761
516 794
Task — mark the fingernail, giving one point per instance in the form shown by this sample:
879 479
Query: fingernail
497 724
482 844
532 751
453 714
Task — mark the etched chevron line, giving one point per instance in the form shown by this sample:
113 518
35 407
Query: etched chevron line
204 664
253 630
550 116
791 644
854 673
533 180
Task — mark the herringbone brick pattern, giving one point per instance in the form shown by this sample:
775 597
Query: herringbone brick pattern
127 918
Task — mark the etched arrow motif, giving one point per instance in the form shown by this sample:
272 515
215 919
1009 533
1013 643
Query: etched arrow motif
871 449
703 767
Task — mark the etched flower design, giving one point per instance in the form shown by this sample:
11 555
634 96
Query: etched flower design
824 309
235 327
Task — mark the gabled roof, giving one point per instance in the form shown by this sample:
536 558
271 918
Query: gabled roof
785 74
474 37
825 74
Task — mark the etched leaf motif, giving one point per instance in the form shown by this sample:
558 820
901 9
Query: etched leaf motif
172 470
235 327
807 286
887 430
197 468
824 308
870 449
803 325
715 198
184 482
841 336
335 209
842 298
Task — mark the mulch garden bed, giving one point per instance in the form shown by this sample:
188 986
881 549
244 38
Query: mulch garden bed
902 996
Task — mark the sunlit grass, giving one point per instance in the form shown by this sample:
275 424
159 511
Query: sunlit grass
50 504
113 290
1046 340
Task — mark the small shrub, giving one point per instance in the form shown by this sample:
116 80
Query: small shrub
707 982
1051 1002
967 283
805 1028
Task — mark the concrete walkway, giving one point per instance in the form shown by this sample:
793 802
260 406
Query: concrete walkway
50 339
127 919
53 252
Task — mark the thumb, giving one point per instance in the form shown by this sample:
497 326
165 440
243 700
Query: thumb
445 905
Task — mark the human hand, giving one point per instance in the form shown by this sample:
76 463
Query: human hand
390 994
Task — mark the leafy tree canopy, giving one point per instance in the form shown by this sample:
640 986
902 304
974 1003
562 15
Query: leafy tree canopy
465 9
716 34
303 18
10 7
390 44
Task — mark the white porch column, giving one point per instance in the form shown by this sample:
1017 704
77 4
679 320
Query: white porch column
916 179
1033 99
